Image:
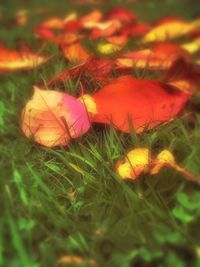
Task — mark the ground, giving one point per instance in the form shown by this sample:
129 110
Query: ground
70 201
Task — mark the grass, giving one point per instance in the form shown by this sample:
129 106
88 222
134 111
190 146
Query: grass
63 201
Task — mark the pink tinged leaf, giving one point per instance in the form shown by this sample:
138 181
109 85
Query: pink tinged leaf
52 118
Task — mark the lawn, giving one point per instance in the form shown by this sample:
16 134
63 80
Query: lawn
67 206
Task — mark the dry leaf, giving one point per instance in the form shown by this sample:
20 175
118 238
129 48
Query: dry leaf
52 118
91 73
163 159
146 104
108 48
139 161
93 16
160 56
122 14
167 29
135 163
75 53
11 60
104 28
193 46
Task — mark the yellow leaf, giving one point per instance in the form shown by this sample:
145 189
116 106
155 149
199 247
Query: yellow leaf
136 162
164 158
167 31
89 103
107 48
192 47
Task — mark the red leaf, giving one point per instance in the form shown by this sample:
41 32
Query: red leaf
136 29
122 14
73 26
144 104
93 71
45 34
161 56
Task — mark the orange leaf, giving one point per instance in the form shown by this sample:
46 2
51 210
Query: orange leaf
53 23
93 16
75 53
11 60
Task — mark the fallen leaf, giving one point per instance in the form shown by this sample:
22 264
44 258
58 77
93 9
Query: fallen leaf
11 60
138 29
45 34
122 14
193 46
159 57
169 28
136 162
57 22
93 16
104 28
108 48
53 23
91 74
163 159
140 161
52 118
128 103
117 40
75 53
89 103
183 75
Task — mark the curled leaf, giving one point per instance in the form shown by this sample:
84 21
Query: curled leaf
163 159
140 161
52 118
